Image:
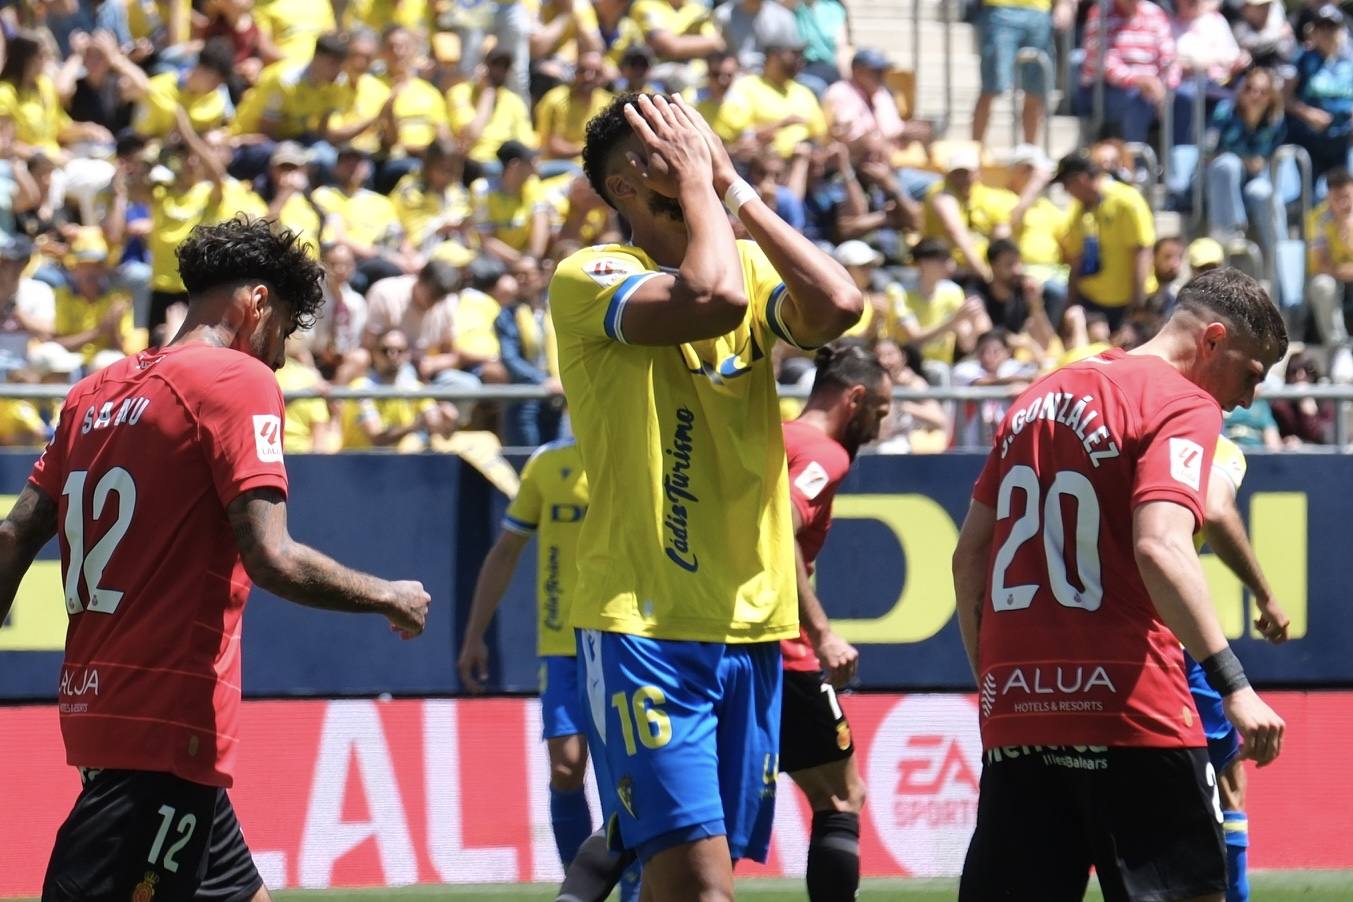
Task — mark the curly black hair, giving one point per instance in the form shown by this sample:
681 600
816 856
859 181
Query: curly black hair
606 132
246 249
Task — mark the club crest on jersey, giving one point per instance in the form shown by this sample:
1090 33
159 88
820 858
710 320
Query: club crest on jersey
1186 462
607 271
145 890
268 437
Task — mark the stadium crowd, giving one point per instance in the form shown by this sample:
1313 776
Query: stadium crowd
430 152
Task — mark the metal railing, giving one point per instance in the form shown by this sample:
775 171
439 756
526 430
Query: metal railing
1199 141
1144 157
1305 175
1032 56
1097 119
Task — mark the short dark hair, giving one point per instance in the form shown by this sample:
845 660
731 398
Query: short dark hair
606 135
1168 239
333 45
997 334
440 276
244 250
1338 177
218 56
844 365
1000 247
1232 295
929 249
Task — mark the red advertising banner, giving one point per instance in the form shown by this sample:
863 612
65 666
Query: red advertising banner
371 793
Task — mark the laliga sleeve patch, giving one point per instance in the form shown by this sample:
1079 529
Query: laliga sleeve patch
608 271
812 480
268 437
1186 462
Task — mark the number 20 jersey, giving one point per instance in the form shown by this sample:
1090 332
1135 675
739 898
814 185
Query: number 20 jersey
1071 649
147 457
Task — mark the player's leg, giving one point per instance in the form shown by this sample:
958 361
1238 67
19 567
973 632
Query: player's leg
817 753
1029 844
562 723
132 835
651 704
1236 828
1155 822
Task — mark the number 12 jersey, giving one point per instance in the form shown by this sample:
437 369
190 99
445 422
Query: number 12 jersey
148 455
1071 650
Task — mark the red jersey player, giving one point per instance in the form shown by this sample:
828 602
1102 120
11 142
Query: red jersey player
1076 580
851 395
166 485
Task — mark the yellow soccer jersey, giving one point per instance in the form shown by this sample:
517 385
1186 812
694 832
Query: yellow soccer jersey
420 114
155 114
75 314
551 504
982 213
509 121
38 115
294 25
368 218
689 535
285 94
1121 223
1228 462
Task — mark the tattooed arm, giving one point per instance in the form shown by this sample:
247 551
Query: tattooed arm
29 526
301 574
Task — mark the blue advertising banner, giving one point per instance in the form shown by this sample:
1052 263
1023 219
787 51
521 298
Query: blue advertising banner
884 576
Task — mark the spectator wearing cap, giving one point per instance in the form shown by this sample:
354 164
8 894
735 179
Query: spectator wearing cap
1320 94
721 108
1330 233
1005 27
862 105
423 308
92 315
750 26
431 202
1262 31
565 30
293 26
484 112
286 188
1109 240
1139 65
513 212
335 342
1205 254
564 111
863 263
824 29
681 33
201 90
967 213
29 98
97 84
400 423
27 306
784 113
415 115
934 315
362 220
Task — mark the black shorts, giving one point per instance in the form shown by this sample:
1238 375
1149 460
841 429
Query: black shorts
1149 820
813 728
137 836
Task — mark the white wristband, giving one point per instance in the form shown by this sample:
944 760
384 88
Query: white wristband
738 194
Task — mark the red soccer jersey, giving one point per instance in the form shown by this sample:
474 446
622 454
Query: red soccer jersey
148 455
817 464
1071 650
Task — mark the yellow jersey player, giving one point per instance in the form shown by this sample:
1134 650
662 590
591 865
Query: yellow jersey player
550 504
1224 531
686 577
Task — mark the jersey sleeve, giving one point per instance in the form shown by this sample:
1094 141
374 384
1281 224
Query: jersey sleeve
49 472
988 481
590 289
768 294
1175 457
240 421
523 514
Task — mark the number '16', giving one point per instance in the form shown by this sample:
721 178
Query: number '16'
654 728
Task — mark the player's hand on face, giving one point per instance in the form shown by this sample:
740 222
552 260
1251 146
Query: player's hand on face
1272 621
839 658
409 612
1260 726
676 152
722 164
473 664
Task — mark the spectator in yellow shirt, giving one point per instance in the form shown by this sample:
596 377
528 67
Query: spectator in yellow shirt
784 113
513 214
725 112
362 220
310 427
393 422
566 30
563 113
484 113
202 91
91 315
294 25
935 316
417 117
967 214
432 204
287 192
681 33
358 121
619 32
1330 233
29 98
1109 240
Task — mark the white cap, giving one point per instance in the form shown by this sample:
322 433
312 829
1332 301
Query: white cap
1029 155
49 359
963 158
857 253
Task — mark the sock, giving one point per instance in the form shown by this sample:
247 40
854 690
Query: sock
834 857
595 871
571 820
629 884
1237 829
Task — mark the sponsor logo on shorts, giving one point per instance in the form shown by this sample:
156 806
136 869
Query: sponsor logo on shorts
843 736
624 790
1071 757
145 890
922 774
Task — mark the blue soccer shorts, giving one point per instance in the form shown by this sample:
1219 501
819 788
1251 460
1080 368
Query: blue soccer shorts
1223 739
690 733
561 710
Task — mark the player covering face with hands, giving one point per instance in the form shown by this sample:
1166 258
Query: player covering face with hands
166 485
